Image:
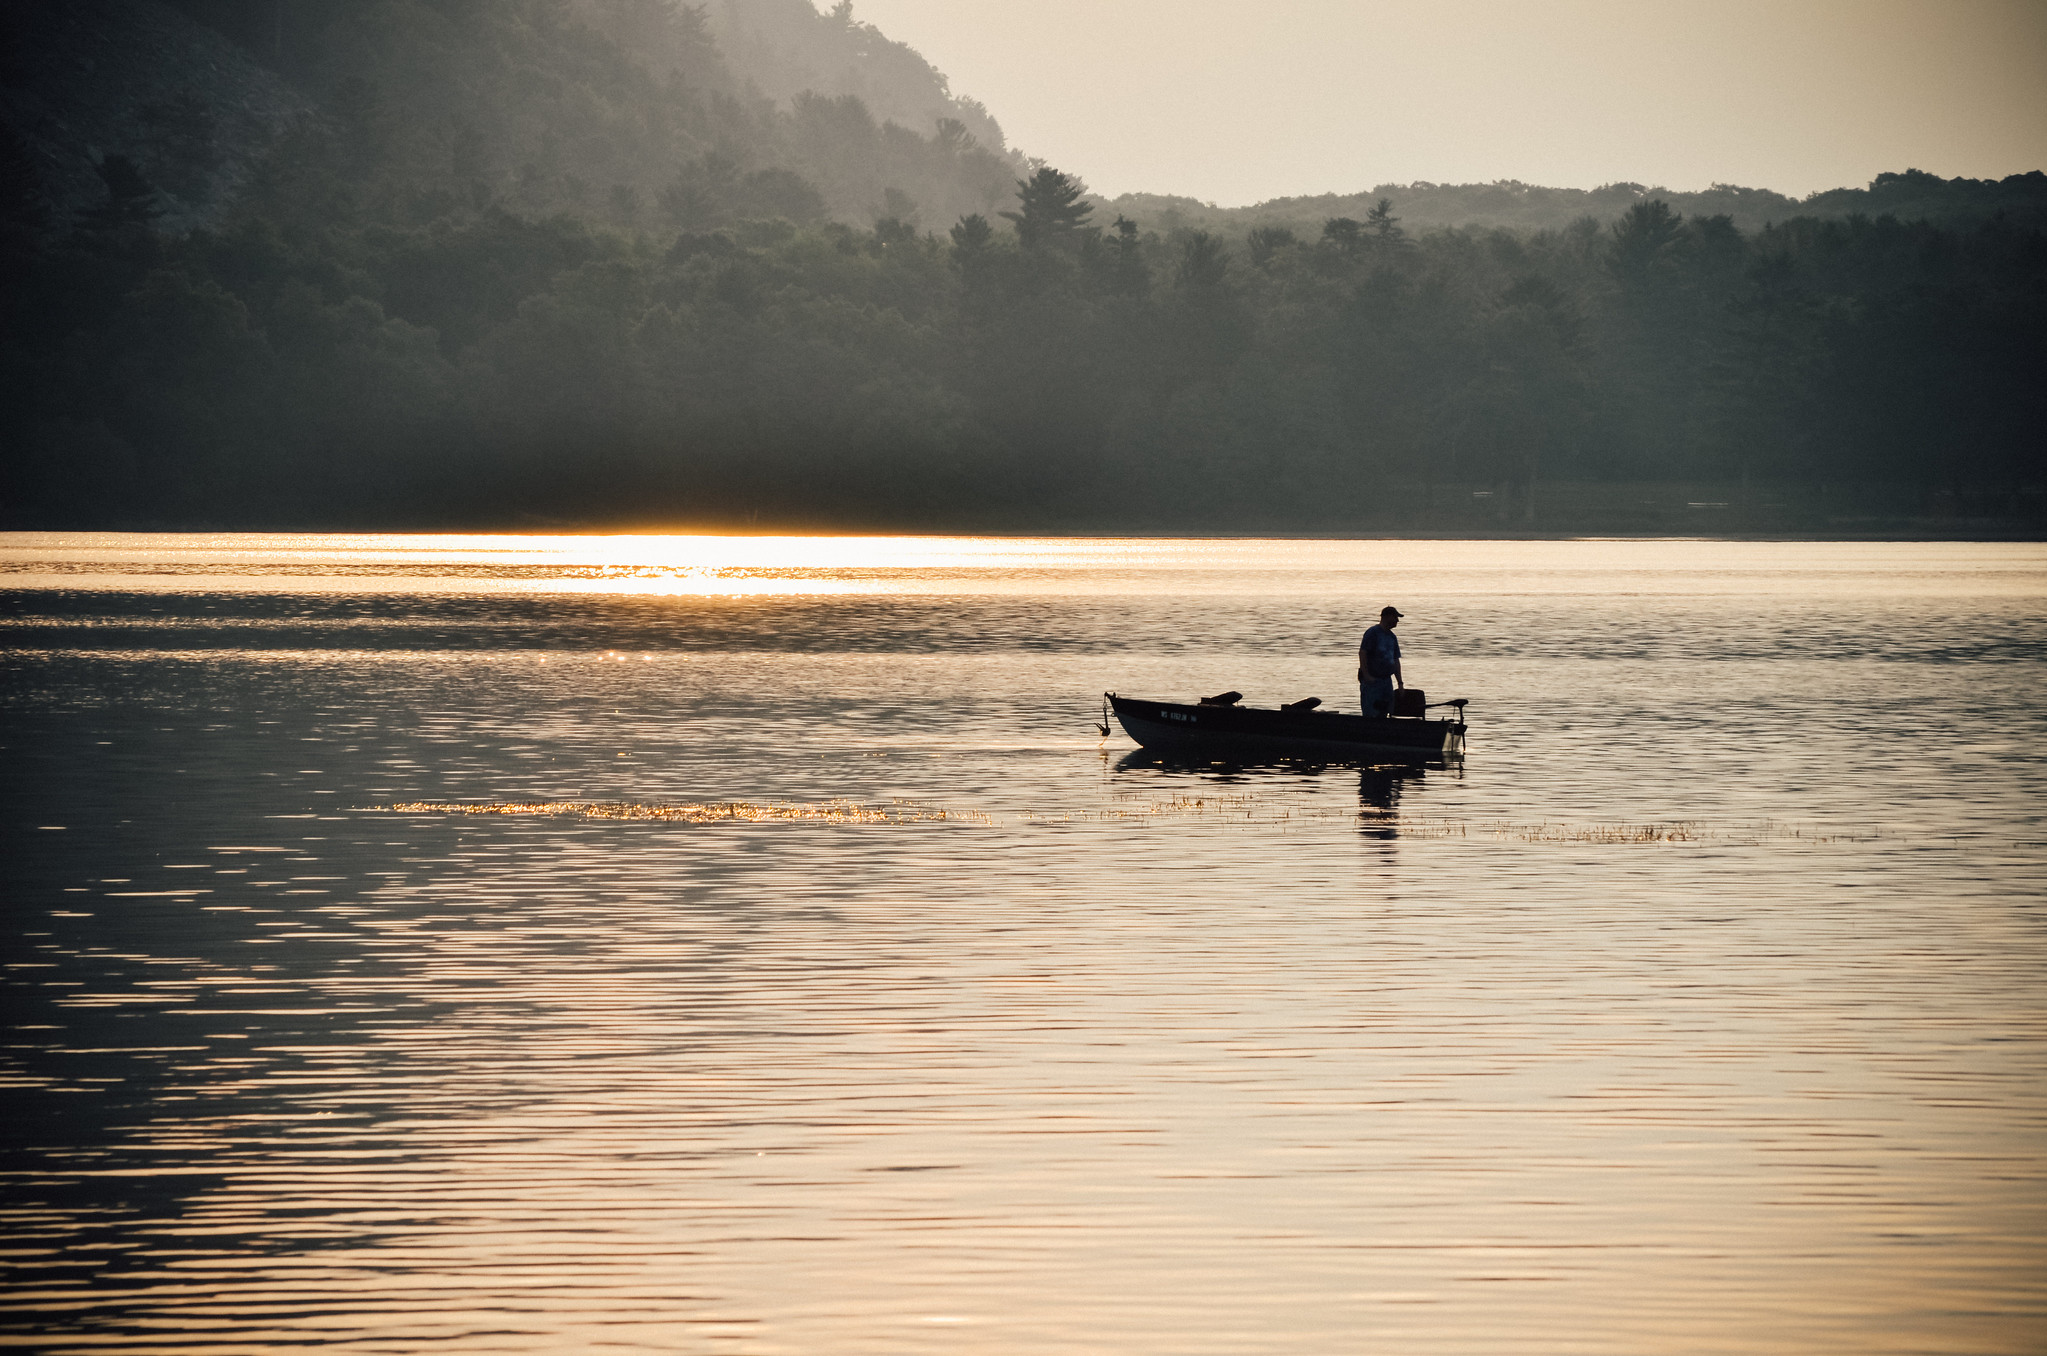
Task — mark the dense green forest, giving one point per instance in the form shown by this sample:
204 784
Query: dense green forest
562 261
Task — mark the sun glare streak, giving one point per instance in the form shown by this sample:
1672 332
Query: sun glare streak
692 552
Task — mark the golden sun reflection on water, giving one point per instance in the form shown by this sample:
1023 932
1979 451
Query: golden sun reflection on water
703 565
694 565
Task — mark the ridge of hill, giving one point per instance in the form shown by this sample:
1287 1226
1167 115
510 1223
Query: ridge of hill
1910 196
786 48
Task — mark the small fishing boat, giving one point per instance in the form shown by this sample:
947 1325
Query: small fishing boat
1217 727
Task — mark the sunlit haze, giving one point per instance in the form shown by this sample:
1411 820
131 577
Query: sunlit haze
1237 103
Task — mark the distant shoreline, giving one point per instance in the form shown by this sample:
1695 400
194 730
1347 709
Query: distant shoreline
1563 510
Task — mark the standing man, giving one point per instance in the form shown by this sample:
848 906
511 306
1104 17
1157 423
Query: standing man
1379 665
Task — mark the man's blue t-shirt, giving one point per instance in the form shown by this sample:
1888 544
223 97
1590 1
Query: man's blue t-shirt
1379 652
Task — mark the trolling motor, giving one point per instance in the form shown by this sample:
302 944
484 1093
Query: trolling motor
1454 741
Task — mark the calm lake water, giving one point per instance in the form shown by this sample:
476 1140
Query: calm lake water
1702 1009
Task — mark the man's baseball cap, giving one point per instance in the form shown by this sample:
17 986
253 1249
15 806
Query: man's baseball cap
1391 612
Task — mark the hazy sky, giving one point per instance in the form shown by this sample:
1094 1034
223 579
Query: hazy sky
1236 101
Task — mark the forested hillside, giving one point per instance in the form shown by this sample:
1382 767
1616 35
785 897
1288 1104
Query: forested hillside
575 261
621 112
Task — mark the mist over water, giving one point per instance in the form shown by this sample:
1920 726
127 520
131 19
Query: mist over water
1698 1010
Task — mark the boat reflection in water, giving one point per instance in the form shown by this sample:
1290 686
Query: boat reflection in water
1381 783
1380 788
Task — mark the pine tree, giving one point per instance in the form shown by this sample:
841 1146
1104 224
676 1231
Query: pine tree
1383 224
1052 211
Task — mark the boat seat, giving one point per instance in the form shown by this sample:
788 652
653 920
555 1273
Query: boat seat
1223 699
1304 704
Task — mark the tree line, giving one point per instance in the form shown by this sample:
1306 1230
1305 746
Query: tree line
1911 195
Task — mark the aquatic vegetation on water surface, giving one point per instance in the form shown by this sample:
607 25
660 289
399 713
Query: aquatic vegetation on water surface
1221 809
831 812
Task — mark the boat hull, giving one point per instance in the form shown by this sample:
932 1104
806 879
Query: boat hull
1250 732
